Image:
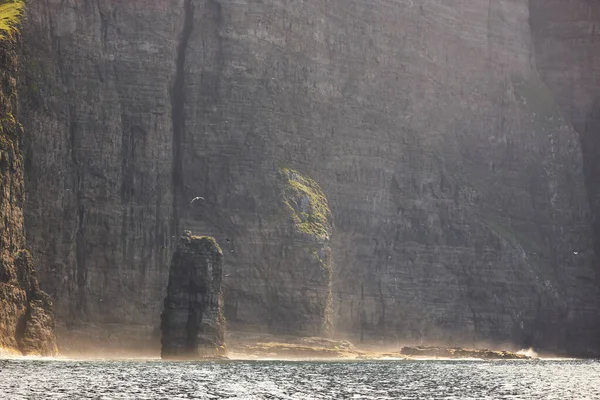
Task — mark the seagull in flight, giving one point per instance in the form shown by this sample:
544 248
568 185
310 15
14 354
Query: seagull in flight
195 199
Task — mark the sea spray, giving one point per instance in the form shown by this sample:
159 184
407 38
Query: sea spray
530 352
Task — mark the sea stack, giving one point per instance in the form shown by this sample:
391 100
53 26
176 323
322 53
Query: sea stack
192 321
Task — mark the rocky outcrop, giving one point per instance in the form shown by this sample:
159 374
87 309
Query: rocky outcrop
284 287
457 191
192 322
282 347
442 352
26 316
35 329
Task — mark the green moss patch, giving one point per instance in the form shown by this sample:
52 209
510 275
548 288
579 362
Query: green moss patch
307 204
10 16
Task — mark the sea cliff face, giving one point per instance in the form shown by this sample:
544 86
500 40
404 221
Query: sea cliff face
458 207
26 317
566 54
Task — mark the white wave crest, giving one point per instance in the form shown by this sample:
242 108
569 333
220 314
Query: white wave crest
528 352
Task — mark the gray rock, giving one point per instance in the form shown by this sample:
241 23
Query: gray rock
566 48
431 351
281 278
457 190
192 321
26 316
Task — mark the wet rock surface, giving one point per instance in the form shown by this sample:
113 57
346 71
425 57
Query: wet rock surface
264 347
192 322
442 352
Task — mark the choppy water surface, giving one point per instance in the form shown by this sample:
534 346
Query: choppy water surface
46 379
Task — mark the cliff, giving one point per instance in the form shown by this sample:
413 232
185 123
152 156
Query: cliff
457 189
566 51
192 322
26 317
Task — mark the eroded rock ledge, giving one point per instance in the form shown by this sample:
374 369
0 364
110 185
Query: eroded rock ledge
458 352
192 322
248 346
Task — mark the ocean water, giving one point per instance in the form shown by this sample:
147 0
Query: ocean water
433 379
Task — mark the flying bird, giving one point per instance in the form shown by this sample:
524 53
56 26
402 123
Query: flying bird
575 252
228 240
195 199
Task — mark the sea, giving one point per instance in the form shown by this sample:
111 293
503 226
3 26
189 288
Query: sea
382 379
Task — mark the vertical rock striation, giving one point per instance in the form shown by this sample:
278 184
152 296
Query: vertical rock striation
26 315
457 189
178 111
192 321
96 88
281 281
566 49
567 46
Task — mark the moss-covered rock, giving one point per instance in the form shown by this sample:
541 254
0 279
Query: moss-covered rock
307 254
281 258
10 17
307 204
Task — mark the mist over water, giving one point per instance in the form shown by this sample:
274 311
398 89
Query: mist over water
537 379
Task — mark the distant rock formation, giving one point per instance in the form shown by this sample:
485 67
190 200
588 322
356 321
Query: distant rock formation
192 322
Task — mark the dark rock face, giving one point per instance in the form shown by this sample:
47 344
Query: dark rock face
192 321
567 44
26 317
457 190
100 166
288 290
